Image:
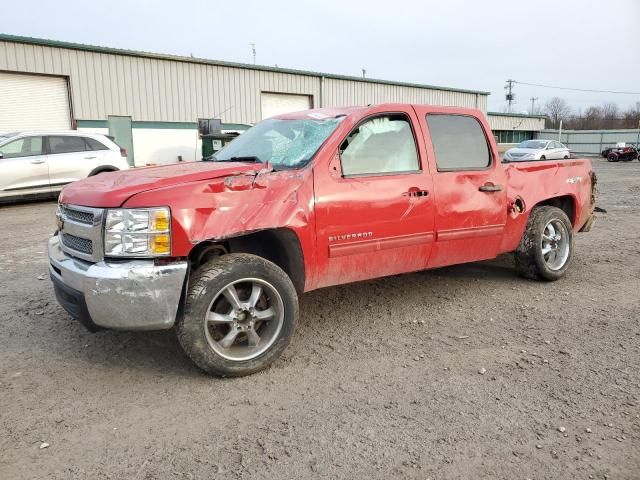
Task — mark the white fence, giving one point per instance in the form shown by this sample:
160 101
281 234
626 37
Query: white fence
591 141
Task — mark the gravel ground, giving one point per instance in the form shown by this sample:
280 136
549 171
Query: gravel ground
382 379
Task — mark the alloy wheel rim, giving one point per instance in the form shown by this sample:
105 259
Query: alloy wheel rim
555 245
244 319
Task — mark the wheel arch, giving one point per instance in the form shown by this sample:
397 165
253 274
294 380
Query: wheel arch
103 169
280 246
566 203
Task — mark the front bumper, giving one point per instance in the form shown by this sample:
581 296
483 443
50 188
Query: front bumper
122 295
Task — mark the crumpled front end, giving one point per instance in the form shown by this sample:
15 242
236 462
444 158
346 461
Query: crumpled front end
123 295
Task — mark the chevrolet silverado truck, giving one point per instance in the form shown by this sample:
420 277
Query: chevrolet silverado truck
220 250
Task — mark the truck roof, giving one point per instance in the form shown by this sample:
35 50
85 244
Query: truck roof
332 112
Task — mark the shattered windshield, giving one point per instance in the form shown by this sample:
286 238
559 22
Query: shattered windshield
283 143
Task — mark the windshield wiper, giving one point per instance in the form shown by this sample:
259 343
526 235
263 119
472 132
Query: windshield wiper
253 159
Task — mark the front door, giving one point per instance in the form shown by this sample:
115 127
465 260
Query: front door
374 211
23 167
469 184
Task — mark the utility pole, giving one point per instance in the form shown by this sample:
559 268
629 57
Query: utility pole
510 97
533 102
364 73
253 52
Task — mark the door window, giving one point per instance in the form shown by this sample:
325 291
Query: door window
66 144
22 147
380 145
459 142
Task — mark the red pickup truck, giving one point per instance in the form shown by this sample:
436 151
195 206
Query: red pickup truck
221 249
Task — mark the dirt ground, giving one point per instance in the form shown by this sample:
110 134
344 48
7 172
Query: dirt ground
381 380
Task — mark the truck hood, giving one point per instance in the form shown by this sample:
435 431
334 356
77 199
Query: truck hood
113 189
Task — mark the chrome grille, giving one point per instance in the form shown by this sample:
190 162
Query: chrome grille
79 216
80 230
78 244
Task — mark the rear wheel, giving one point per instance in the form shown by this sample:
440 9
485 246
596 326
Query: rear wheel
546 246
543 157
239 316
612 157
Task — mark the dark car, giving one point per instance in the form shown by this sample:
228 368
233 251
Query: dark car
622 152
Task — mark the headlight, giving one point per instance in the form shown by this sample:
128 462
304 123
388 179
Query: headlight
140 232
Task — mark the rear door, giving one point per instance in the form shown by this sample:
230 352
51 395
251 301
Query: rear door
70 159
554 151
23 167
469 187
374 211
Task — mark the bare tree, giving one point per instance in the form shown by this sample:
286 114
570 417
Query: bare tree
610 114
557 109
631 116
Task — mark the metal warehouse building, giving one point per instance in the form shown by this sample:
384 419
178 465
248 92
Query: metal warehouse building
151 103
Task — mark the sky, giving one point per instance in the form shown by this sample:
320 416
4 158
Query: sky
474 45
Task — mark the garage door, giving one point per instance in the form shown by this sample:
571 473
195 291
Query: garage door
33 102
279 103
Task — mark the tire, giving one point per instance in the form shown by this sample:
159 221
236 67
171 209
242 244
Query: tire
612 157
530 258
566 157
543 157
197 336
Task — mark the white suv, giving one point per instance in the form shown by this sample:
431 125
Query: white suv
41 163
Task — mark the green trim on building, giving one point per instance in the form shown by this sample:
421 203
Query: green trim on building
159 125
178 58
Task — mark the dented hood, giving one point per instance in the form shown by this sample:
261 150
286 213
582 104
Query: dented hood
113 189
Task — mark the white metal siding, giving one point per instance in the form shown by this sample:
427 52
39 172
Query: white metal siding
506 122
33 102
277 103
357 93
157 89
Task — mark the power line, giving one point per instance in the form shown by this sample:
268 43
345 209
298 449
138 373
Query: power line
576 89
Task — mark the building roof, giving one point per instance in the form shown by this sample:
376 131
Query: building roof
519 115
178 58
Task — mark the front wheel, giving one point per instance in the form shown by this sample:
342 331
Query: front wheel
546 246
239 315
543 157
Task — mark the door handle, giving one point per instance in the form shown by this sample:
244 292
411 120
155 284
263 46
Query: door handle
415 192
89 158
37 162
490 187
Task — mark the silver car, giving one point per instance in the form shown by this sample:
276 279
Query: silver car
36 164
537 150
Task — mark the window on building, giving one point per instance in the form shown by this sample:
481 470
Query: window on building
380 145
66 144
512 136
22 147
459 142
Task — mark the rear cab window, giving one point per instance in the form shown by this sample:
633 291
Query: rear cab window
382 145
459 142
